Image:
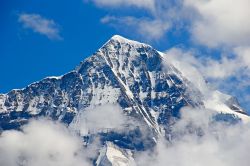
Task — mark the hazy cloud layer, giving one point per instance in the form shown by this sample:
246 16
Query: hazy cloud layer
40 25
229 73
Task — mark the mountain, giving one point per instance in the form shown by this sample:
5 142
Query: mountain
149 89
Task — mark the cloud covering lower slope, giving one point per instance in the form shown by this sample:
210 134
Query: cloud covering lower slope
198 139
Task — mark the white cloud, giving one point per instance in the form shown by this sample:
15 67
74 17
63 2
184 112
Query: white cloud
44 142
220 22
41 142
40 25
149 29
201 141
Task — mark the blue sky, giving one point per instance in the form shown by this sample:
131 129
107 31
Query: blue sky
45 38
27 56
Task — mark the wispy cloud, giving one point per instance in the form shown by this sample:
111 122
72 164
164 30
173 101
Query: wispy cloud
40 25
149 29
147 4
211 23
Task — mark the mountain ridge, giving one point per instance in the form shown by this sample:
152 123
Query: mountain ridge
114 66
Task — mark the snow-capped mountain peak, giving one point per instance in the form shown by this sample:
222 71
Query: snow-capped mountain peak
123 40
120 66
145 88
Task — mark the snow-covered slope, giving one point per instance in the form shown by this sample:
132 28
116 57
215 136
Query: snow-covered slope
149 89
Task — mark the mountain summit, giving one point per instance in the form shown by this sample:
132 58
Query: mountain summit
147 88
